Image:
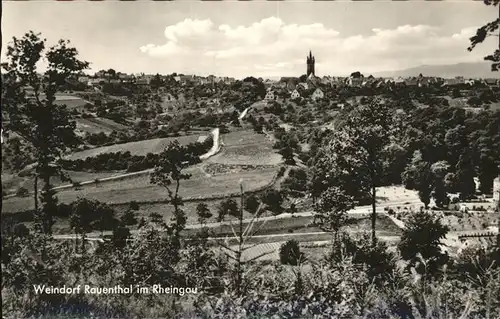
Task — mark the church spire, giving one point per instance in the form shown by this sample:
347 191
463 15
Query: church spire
310 64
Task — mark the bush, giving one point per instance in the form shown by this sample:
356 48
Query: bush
420 242
290 253
281 171
134 205
22 192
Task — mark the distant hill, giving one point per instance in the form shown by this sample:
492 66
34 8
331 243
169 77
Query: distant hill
467 70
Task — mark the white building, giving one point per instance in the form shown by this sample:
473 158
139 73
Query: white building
295 95
304 85
83 79
318 94
496 189
269 96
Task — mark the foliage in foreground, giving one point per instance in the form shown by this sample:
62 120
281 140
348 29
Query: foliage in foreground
347 283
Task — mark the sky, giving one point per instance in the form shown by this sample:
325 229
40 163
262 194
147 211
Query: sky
256 38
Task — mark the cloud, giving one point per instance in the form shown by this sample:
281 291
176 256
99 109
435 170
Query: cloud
273 47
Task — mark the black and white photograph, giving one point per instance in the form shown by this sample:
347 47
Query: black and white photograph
250 159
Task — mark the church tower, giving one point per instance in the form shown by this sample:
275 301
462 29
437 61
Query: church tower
310 64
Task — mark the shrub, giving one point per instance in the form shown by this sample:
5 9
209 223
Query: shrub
290 253
22 192
281 171
421 239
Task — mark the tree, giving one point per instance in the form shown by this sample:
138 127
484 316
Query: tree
439 193
129 218
287 153
104 218
465 176
331 210
134 205
46 126
422 237
120 236
227 207
241 235
203 213
156 81
353 158
296 183
418 176
82 218
290 253
273 199
485 31
169 170
252 203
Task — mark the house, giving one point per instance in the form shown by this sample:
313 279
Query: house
460 80
305 86
379 83
169 98
326 80
450 82
295 95
96 81
115 81
399 82
491 82
424 81
215 102
318 94
228 80
290 83
412 82
270 96
313 80
355 82
177 79
496 189
142 81
83 79
125 78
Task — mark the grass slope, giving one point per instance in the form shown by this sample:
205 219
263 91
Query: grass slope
246 147
98 125
155 145
140 189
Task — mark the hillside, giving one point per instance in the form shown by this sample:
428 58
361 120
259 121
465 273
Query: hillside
467 70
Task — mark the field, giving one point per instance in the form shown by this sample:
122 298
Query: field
98 125
70 101
156 145
139 188
246 148
11 182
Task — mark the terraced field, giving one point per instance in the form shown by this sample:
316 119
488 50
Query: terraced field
138 188
12 182
70 101
98 125
156 145
246 148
